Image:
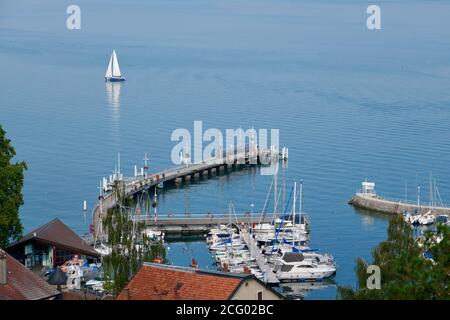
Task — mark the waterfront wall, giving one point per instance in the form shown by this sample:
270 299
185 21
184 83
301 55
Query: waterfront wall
378 204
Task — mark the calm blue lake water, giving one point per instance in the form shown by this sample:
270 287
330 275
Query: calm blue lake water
349 103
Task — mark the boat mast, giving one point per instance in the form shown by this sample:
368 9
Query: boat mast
275 194
300 209
277 230
263 212
293 213
431 192
155 202
284 191
418 197
118 165
300 201
437 195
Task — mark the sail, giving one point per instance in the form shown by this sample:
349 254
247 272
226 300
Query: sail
109 69
115 66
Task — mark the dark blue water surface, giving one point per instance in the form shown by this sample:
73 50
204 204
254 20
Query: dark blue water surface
349 103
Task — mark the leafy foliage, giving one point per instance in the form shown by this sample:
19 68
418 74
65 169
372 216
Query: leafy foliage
129 244
11 198
405 273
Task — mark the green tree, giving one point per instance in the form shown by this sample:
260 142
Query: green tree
405 273
129 244
11 183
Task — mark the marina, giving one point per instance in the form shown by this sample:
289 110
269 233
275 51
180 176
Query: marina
275 252
273 246
345 114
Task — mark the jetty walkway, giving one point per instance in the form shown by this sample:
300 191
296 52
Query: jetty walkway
134 185
269 276
189 224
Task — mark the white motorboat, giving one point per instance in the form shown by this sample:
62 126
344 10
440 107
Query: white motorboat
325 258
222 229
226 245
320 258
411 218
443 219
427 218
295 267
231 260
286 231
263 228
154 234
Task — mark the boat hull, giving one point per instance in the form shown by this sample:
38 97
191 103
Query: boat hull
114 79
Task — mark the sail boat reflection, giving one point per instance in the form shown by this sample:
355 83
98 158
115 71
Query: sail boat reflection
113 96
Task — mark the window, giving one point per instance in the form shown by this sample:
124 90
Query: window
28 249
62 256
259 295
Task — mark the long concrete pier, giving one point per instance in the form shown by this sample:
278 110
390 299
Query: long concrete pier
379 204
134 185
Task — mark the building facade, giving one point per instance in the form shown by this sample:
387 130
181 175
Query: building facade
50 246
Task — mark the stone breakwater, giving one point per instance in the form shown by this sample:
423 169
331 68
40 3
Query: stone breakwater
376 203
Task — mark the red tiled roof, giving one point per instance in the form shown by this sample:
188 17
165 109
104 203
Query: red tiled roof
57 233
22 284
162 282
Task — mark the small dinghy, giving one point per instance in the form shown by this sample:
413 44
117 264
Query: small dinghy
113 72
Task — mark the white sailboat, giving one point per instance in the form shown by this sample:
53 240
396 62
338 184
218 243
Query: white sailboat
113 71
